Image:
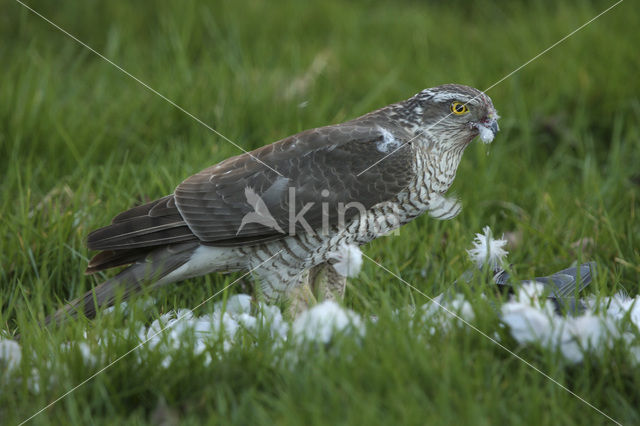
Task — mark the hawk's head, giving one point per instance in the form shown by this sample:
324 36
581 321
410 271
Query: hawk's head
454 114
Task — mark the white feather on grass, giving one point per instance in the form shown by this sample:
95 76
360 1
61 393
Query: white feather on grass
442 313
320 323
531 319
10 355
487 250
527 314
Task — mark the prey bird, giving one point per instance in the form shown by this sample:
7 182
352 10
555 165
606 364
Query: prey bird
283 209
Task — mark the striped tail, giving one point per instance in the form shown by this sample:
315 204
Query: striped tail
155 266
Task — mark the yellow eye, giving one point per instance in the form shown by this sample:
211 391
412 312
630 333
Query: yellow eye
458 108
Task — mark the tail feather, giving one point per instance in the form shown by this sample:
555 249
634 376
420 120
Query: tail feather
156 265
112 258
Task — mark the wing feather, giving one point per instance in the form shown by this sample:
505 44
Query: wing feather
214 201
209 206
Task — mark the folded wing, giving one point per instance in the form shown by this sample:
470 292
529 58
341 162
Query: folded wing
317 167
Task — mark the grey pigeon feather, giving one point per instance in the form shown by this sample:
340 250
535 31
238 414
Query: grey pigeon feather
562 288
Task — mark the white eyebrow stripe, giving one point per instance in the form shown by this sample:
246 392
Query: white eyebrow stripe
443 96
449 96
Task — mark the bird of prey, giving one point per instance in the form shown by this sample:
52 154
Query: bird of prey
282 209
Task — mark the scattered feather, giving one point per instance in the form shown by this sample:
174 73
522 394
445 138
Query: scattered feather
487 251
320 323
486 135
441 313
10 355
530 319
349 260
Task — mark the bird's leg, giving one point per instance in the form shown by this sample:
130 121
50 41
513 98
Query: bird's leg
301 297
326 283
443 208
319 283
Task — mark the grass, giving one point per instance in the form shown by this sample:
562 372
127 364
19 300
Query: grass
80 142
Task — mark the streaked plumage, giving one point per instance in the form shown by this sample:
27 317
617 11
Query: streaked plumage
396 162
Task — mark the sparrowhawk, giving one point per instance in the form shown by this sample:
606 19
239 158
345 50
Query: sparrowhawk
285 207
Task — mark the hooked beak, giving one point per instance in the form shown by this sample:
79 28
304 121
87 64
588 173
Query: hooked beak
488 128
493 126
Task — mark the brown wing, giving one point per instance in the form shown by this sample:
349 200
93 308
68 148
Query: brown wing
156 223
211 205
214 202
135 232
